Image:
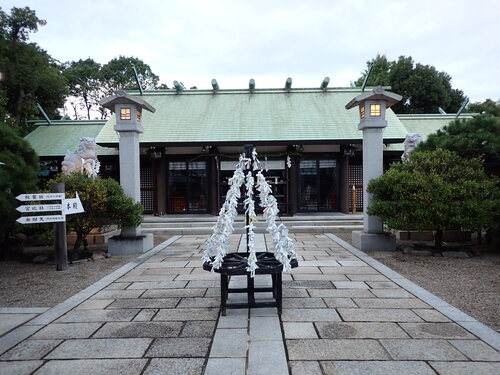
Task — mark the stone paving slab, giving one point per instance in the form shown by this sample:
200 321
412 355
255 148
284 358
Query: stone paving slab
225 366
67 331
175 366
30 349
179 347
230 343
100 348
267 357
139 329
376 368
436 331
327 349
20 367
466 368
345 330
93 366
378 315
423 350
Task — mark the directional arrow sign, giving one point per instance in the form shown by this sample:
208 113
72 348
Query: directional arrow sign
40 197
41 219
39 207
72 205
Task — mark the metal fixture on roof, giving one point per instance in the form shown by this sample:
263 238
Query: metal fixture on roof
137 78
288 84
349 150
325 83
215 85
43 113
366 78
441 110
251 84
179 86
466 101
301 148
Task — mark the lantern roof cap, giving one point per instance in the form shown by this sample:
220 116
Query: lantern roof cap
378 93
121 97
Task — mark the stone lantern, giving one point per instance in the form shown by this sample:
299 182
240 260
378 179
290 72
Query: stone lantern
128 110
372 107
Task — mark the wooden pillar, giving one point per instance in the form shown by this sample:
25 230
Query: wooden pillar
160 186
293 186
344 185
213 186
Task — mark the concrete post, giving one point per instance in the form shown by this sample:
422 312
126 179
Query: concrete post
372 108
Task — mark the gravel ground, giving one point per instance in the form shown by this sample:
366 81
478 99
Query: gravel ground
470 284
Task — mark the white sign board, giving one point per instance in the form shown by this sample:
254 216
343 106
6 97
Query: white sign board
72 205
40 197
67 207
41 219
40 207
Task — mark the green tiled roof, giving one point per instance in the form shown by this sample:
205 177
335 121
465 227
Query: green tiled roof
237 116
425 124
60 136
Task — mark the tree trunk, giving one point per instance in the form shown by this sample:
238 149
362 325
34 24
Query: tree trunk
76 247
438 239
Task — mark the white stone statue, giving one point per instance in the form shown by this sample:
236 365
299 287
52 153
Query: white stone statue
411 142
84 159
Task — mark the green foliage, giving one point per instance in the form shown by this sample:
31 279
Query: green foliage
119 74
423 88
435 190
20 23
104 202
488 107
29 74
89 82
477 137
17 176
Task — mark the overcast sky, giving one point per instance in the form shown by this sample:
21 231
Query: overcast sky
270 40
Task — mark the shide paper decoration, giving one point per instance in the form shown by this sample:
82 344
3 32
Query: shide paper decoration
218 242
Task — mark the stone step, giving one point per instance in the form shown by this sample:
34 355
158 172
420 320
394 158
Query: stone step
203 224
241 229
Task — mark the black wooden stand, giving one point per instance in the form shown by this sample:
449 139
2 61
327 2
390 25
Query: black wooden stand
235 264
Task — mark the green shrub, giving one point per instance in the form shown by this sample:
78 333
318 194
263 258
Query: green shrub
104 202
435 190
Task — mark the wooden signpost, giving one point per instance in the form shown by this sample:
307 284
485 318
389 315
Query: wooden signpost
66 207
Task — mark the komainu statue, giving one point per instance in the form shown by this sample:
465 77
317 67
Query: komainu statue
84 159
411 142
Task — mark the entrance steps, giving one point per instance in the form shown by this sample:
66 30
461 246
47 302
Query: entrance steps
301 223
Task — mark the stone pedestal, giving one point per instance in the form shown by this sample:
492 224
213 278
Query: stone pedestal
384 241
120 245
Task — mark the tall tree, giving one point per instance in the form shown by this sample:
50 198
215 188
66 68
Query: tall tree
119 74
29 74
84 83
423 88
18 174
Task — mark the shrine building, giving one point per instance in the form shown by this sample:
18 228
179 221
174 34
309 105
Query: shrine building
306 140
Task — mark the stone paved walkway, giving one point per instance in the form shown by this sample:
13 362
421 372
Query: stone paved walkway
343 313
